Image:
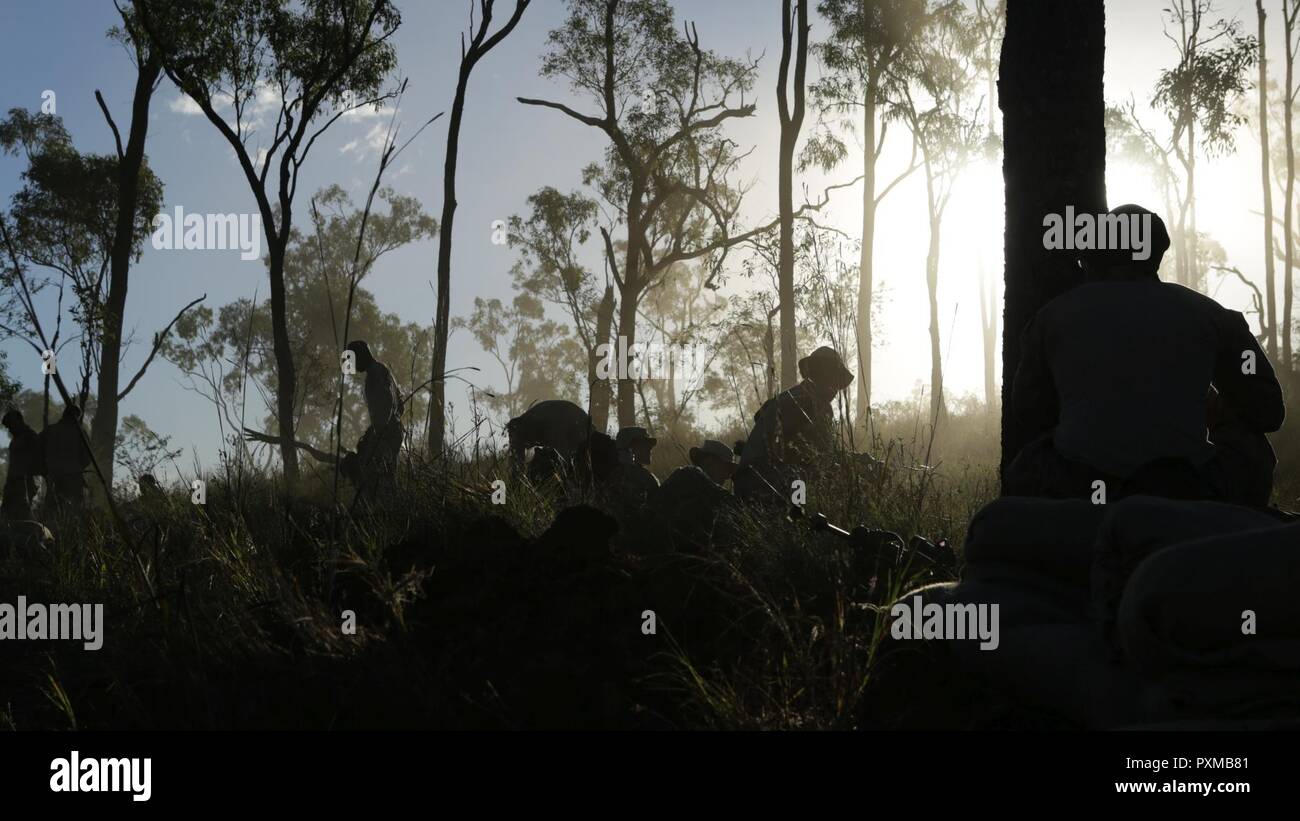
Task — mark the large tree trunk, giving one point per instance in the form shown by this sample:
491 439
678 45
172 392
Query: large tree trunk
865 256
598 404
1053 119
103 426
793 43
285 374
1269 320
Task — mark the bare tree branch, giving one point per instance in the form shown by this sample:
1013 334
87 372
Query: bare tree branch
158 340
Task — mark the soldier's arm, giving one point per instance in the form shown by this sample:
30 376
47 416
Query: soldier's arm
824 430
1244 377
1033 393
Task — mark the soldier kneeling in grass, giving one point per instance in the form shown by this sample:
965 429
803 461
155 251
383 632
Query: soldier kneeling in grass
793 432
691 497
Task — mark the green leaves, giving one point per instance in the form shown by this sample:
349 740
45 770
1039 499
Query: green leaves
65 214
1212 73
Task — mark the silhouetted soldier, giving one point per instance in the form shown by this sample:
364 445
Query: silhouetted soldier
716 460
690 498
150 491
794 431
25 464
1114 378
66 460
631 482
379 446
554 423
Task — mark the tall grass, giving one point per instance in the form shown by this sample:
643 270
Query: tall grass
231 614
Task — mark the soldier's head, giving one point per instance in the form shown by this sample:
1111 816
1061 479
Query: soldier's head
521 435
826 371
1146 234
637 442
715 459
72 414
13 420
361 351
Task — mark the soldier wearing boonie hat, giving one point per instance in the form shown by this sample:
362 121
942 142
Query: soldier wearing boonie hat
794 431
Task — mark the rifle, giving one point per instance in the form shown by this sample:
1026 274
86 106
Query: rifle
885 549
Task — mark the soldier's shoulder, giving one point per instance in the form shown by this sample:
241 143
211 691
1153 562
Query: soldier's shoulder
1174 290
687 479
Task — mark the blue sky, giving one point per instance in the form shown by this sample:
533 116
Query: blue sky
509 151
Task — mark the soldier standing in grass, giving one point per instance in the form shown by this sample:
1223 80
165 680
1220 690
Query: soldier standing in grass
379 446
25 464
66 460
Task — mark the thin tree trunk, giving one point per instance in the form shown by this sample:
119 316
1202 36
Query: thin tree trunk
103 426
479 45
1270 272
989 334
1194 264
1288 108
598 406
932 290
769 355
1053 120
442 317
866 283
989 289
627 336
793 43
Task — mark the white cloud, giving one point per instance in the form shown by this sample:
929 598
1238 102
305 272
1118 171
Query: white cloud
184 104
264 103
364 112
371 143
